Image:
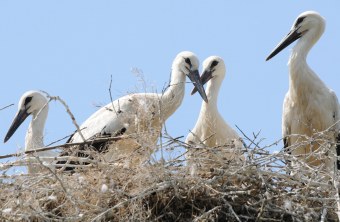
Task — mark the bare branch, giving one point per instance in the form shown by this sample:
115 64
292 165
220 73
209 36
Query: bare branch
5 107
57 98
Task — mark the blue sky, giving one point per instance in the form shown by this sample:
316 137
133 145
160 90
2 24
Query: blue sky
71 48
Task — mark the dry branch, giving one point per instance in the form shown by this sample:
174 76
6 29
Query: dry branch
5 107
57 98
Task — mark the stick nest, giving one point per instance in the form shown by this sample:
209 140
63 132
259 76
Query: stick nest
258 189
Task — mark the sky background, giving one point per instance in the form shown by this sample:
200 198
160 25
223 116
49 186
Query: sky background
71 49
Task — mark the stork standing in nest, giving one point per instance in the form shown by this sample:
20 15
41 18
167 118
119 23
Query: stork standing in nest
36 104
140 116
213 143
309 106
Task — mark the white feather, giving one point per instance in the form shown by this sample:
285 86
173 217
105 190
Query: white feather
140 115
211 131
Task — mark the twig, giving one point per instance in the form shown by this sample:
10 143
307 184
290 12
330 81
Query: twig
57 98
110 93
156 188
204 216
336 186
69 196
66 145
5 107
251 141
54 142
232 210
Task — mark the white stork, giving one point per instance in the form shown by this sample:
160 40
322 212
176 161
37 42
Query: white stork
309 106
141 115
36 104
211 131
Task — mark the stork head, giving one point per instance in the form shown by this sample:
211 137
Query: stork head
187 63
213 67
308 26
29 104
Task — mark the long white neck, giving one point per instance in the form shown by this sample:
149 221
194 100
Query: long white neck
210 108
174 94
302 79
212 91
35 133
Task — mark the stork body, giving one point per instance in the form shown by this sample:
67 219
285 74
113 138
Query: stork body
140 116
214 142
309 106
36 104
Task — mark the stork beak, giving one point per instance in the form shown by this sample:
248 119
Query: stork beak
194 76
18 120
205 77
286 41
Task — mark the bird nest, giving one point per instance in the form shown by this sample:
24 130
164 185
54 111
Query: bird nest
258 189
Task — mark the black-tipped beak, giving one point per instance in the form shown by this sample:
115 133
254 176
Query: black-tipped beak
194 76
286 41
18 120
205 77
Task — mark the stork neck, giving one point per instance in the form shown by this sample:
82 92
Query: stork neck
301 79
174 94
297 61
307 41
301 50
35 132
212 91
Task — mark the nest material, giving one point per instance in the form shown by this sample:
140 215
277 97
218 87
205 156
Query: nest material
258 189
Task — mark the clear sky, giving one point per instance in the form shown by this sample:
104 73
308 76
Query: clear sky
71 48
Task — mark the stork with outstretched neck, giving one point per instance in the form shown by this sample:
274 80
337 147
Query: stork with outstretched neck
36 104
140 116
222 143
309 106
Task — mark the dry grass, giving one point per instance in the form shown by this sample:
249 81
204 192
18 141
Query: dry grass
257 190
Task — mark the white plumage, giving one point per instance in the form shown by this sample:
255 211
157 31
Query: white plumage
36 104
309 105
141 115
214 142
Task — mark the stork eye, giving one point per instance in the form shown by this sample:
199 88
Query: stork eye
299 21
27 100
187 60
213 64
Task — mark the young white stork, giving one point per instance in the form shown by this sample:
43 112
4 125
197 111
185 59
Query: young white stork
36 104
214 142
309 106
141 115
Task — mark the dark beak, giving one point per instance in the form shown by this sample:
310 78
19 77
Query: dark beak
194 76
286 41
18 120
205 77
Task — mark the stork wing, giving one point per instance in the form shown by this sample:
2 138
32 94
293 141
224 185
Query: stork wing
106 122
111 120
